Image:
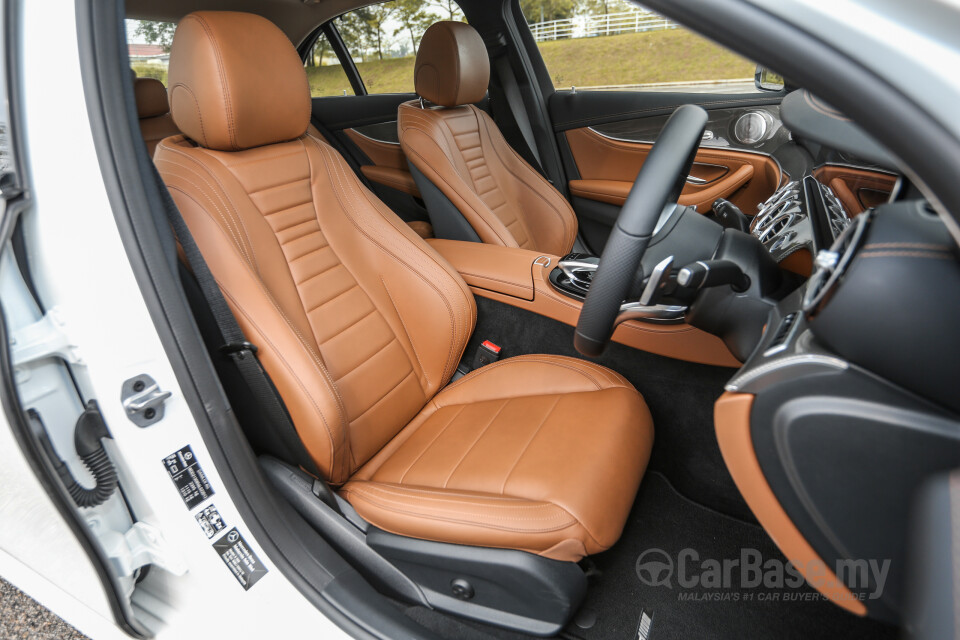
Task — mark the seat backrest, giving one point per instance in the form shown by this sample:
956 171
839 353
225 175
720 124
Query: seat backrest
462 153
358 322
153 110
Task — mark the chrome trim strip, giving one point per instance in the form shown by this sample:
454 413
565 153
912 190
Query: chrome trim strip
372 139
783 174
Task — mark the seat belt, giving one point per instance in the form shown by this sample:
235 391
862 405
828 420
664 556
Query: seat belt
235 344
514 101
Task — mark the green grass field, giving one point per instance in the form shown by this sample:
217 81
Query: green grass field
633 58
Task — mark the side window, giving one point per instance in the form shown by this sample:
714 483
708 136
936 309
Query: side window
383 38
325 72
616 45
148 47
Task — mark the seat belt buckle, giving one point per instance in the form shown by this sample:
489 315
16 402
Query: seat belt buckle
487 353
238 349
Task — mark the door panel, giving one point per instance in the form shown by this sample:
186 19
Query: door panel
605 138
364 129
388 165
609 168
857 189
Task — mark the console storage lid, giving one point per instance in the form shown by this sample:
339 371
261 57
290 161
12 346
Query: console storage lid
505 270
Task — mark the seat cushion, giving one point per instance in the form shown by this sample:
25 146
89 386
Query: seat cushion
538 453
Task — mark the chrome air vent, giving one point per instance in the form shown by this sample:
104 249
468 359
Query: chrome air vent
777 213
836 214
832 263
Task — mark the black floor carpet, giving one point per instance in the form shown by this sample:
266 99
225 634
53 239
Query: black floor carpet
663 519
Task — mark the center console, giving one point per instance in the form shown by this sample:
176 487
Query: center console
525 279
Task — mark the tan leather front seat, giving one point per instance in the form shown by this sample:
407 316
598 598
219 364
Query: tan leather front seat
460 150
360 324
153 110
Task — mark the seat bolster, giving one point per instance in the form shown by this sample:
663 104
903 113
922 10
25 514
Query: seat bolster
469 518
423 139
548 216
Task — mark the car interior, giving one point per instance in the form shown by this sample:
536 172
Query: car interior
516 337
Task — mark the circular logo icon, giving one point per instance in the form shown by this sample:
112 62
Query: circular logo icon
232 536
654 568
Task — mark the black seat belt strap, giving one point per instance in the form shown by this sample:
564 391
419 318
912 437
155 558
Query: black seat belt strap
514 102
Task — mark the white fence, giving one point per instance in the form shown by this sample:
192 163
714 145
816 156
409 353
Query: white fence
601 25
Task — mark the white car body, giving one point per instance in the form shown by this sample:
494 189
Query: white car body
83 269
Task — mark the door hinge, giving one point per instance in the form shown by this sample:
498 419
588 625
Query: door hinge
47 337
141 545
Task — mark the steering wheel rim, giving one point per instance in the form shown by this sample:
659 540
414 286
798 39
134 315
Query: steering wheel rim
659 183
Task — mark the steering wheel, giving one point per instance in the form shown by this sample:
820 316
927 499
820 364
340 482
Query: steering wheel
659 184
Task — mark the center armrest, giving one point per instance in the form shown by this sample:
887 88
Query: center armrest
506 270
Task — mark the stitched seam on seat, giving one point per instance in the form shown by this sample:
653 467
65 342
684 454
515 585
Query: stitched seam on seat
295 377
443 497
563 222
523 451
385 395
482 520
473 523
406 331
517 218
196 105
367 359
473 444
425 167
399 383
538 359
229 204
454 328
232 225
427 448
231 125
407 489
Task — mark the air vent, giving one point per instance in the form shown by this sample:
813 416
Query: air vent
833 264
777 213
836 214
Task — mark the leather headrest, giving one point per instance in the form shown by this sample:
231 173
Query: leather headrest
236 82
151 97
452 65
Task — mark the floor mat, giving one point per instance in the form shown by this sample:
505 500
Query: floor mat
663 524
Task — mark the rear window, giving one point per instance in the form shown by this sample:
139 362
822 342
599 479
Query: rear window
148 48
382 40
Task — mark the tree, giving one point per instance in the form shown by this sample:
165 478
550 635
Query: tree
414 20
379 15
317 52
545 10
354 28
157 33
449 10
602 7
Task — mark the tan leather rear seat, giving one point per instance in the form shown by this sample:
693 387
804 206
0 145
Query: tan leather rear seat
153 110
